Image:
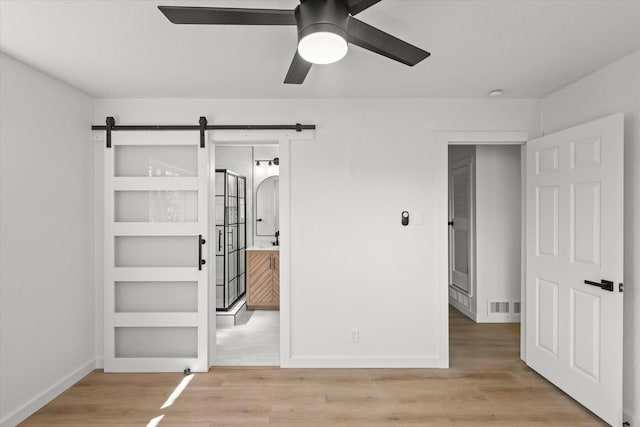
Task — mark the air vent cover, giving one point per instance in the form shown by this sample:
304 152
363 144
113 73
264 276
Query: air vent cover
498 307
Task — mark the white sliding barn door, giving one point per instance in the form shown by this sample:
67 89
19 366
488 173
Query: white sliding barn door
156 288
460 225
575 234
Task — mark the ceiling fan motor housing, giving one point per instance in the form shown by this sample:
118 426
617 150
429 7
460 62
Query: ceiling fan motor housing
314 16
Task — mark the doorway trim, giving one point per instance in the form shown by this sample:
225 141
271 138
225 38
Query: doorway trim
284 139
445 139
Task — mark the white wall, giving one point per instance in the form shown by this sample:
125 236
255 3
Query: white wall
498 229
352 262
614 89
261 173
46 239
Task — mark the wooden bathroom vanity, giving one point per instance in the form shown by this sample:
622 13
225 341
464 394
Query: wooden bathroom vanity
263 278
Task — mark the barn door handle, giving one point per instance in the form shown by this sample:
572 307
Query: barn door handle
607 285
201 242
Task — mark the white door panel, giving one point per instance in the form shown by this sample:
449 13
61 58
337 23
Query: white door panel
460 233
575 234
156 210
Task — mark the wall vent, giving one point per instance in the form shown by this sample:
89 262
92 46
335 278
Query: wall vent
498 307
516 307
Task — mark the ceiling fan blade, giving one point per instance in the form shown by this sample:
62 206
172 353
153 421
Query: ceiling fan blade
371 38
357 6
298 70
228 15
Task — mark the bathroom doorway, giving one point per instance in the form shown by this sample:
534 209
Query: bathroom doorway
245 334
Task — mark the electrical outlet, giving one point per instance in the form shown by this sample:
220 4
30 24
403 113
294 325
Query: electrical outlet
355 335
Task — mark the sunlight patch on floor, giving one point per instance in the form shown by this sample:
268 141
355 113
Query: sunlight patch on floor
177 391
154 422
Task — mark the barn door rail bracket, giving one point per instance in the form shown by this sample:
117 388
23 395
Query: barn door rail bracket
202 126
110 123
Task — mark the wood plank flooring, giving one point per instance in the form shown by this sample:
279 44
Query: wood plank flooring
487 385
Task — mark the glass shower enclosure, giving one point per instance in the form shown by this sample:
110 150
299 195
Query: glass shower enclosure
230 238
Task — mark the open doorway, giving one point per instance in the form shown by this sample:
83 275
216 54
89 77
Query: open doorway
247 230
485 229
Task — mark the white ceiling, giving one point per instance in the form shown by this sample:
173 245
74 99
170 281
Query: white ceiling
128 49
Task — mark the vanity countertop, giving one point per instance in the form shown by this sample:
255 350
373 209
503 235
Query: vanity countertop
263 248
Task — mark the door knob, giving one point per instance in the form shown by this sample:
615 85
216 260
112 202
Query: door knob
606 285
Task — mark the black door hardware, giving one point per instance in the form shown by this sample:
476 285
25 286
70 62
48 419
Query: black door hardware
450 223
203 127
110 123
201 242
607 285
405 218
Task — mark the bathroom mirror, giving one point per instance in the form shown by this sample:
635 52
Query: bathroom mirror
267 205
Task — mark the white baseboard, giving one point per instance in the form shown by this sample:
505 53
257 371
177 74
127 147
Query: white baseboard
99 363
633 421
47 396
361 362
498 318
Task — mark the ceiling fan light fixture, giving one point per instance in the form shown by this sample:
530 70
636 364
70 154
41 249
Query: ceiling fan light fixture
325 28
322 47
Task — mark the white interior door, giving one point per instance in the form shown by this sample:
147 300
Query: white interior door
460 225
575 234
156 218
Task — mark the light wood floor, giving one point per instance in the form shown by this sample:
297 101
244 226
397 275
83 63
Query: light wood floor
486 385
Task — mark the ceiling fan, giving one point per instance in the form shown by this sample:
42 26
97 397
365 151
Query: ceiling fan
324 29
